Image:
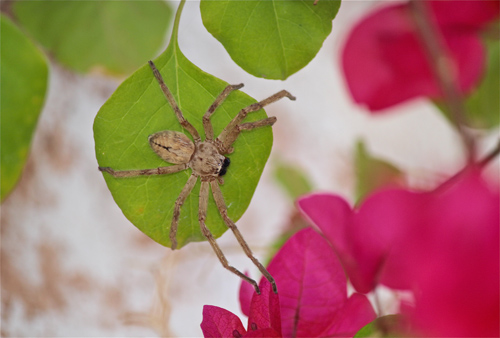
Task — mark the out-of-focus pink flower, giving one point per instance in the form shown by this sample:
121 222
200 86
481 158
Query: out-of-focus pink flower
384 61
365 238
443 245
456 263
465 15
312 290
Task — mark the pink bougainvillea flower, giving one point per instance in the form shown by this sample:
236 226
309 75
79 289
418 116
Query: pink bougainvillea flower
312 290
465 15
443 245
364 238
384 61
456 263
264 317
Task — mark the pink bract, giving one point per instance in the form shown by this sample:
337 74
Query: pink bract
456 263
384 61
312 299
444 245
264 319
364 238
218 322
312 288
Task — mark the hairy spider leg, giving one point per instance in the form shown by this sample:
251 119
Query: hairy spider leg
223 137
170 98
177 208
202 215
221 205
207 126
233 135
146 172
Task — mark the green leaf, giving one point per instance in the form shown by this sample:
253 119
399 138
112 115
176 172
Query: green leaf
292 180
482 105
138 109
23 75
373 173
272 39
386 326
115 36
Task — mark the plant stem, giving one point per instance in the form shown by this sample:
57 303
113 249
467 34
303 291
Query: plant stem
175 29
489 157
445 70
481 164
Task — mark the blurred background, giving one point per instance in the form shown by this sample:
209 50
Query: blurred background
73 265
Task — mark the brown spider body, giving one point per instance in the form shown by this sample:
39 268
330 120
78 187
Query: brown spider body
203 157
172 146
207 161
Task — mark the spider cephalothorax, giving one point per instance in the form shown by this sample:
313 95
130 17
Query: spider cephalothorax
202 157
207 161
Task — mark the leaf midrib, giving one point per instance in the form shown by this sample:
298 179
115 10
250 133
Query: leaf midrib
280 37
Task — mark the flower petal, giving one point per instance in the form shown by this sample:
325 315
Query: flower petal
311 284
385 63
356 313
364 238
465 14
457 266
265 309
380 228
264 333
220 323
245 295
332 215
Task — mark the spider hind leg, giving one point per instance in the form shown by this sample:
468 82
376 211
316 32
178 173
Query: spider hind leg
202 215
221 206
177 209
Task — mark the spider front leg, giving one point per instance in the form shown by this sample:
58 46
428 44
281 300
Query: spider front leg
221 206
177 208
170 98
207 126
233 135
222 139
202 215
145 172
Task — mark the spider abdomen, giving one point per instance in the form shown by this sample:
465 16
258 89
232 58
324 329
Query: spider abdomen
172 146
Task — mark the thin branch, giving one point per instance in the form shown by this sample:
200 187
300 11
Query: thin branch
444 69
480 164
489 157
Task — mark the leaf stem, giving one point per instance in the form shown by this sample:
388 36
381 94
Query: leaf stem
175 29
444 69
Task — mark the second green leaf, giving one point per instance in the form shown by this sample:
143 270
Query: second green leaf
270 39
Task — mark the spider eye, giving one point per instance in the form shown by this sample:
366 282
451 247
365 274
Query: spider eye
225 164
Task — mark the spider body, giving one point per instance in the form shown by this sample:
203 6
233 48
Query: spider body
225 165
172 146
207 161
203 157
